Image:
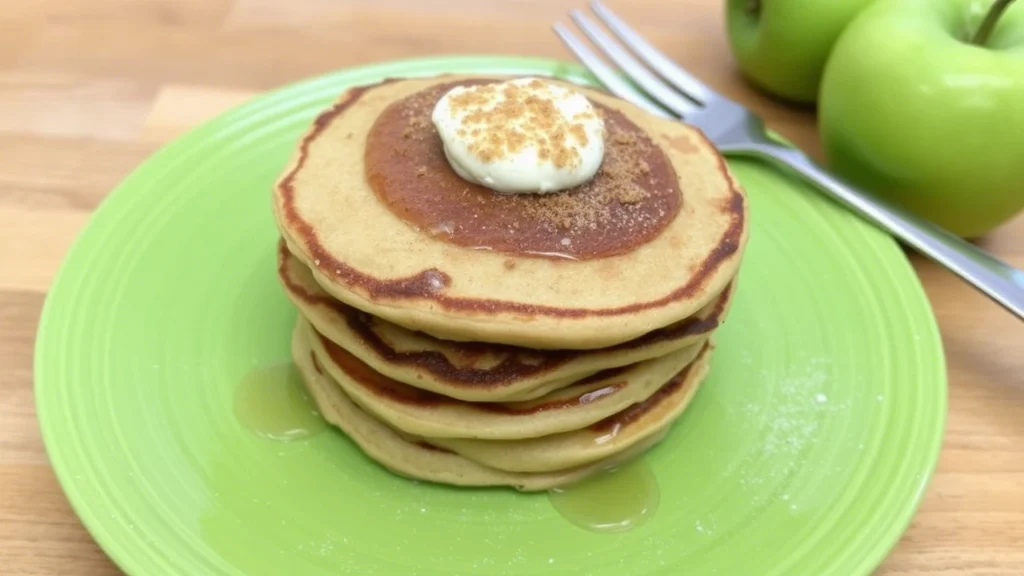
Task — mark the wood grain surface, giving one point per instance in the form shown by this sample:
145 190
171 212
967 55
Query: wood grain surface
89 88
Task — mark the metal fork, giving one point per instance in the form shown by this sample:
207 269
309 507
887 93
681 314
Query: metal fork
668 90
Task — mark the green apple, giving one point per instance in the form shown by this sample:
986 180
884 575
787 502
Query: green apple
922 101
781 45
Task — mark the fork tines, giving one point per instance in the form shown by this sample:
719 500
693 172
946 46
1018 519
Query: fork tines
664 87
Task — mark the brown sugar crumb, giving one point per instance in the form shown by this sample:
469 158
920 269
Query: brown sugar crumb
591 206
510 264
416 128
421 171
631 194
505 119
625 175
565 157
579 134
624 138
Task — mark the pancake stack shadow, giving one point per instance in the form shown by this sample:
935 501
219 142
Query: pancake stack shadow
481 414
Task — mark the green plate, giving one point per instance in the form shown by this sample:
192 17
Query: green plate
805 452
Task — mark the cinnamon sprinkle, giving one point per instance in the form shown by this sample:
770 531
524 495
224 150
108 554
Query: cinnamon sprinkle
590 205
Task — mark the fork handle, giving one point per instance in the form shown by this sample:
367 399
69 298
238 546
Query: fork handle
990 275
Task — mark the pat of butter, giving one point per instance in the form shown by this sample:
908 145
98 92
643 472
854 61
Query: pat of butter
521 136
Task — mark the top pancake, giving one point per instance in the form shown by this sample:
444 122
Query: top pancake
345 210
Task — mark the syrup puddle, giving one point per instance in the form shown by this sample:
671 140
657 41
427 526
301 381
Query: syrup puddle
615 500
272 403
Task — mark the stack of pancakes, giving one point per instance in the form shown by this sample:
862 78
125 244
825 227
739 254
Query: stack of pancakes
467 337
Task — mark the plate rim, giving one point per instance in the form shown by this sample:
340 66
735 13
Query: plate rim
438 64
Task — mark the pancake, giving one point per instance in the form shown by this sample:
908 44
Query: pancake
424 413
372 207
417 459
473 371
599 441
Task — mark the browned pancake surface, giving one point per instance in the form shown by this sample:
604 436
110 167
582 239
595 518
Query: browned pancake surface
631 199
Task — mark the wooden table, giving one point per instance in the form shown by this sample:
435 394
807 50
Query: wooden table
89 88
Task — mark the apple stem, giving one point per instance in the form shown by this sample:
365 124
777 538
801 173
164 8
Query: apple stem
989 23
754 8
